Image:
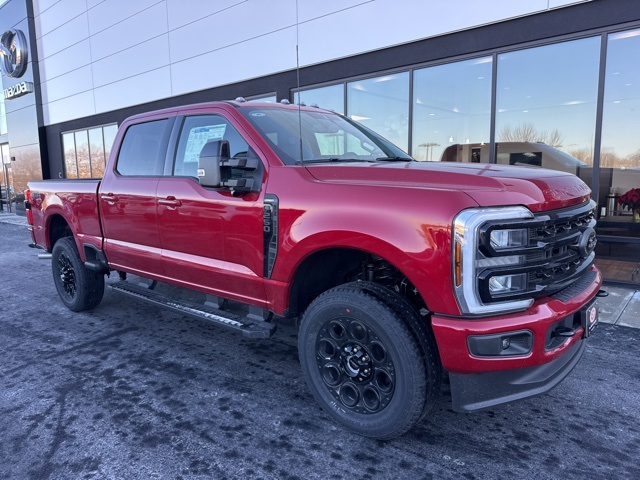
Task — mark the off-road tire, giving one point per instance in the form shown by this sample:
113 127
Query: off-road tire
367 360
79 288
423 333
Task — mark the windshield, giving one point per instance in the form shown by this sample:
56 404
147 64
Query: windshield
321 136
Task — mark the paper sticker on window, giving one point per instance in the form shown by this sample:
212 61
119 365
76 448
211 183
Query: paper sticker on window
198 136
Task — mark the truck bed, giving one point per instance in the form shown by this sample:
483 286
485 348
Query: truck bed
76 200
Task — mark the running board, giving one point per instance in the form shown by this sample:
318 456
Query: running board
248 326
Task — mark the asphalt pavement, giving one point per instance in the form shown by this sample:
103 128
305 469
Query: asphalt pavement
131 391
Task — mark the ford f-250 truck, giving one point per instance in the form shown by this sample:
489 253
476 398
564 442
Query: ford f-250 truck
397 269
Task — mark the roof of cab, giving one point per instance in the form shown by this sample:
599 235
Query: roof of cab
171 111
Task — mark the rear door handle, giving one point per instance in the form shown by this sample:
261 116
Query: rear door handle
171 202
109 198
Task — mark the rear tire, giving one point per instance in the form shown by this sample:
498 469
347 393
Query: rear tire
368 367
79 288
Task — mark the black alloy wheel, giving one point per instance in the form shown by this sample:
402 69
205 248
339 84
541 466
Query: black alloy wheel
67 275
78 287
368 359
355 365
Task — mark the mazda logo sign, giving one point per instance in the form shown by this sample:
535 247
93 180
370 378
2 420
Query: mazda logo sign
14 54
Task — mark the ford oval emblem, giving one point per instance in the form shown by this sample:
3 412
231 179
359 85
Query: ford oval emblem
587 242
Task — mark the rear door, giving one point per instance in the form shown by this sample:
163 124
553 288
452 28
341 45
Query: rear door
211 239
128 198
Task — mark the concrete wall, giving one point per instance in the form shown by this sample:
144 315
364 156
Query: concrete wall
97 56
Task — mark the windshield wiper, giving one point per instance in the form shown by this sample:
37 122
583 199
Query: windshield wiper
394 159
334 159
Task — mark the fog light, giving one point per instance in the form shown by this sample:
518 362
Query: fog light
510 344
500 284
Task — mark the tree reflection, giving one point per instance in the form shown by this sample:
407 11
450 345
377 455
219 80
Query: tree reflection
527 132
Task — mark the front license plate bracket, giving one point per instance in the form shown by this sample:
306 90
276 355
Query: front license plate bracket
589 317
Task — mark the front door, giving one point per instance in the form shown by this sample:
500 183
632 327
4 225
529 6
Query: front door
211 240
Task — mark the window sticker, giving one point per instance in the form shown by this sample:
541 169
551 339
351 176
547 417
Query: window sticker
198 136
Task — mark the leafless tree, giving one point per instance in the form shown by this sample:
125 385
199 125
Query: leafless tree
527 132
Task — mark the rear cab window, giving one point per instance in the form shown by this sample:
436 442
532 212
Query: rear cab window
142 151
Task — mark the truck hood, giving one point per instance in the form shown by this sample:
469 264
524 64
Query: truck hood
489 185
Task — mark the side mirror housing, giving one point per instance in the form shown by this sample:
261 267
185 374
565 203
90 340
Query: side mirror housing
212 156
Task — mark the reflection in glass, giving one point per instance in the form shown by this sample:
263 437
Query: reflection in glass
86 151
69 148
382 104
96 150
452 112
620 119
109 135
26 167
329 98
3 116
619 258
82 154
318 136
548 95
5 163
4 154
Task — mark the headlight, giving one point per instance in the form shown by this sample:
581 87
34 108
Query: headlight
505 239
483 280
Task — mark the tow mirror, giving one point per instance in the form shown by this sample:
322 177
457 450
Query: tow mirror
212 156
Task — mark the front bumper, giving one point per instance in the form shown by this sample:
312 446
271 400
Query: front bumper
475 391
483 381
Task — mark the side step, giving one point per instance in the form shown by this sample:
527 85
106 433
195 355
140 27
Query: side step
247 325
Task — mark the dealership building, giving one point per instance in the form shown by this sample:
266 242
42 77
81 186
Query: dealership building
545 83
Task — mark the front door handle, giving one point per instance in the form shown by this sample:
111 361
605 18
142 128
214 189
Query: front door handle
171 202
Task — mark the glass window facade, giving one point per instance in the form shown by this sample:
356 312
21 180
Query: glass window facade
69 148
382 104
82 154
96 152
3 116
618 249
329 98
7 191
452 111
544 102
547 97
86 151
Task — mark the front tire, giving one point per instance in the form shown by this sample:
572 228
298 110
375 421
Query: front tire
79 288
366 366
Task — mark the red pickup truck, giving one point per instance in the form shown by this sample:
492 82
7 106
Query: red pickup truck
398 270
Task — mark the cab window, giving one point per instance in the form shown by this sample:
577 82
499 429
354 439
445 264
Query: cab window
196 132
141 152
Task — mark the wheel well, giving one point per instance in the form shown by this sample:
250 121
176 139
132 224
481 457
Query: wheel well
58 228
332 267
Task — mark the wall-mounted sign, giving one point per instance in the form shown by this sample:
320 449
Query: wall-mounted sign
18 90
14 54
